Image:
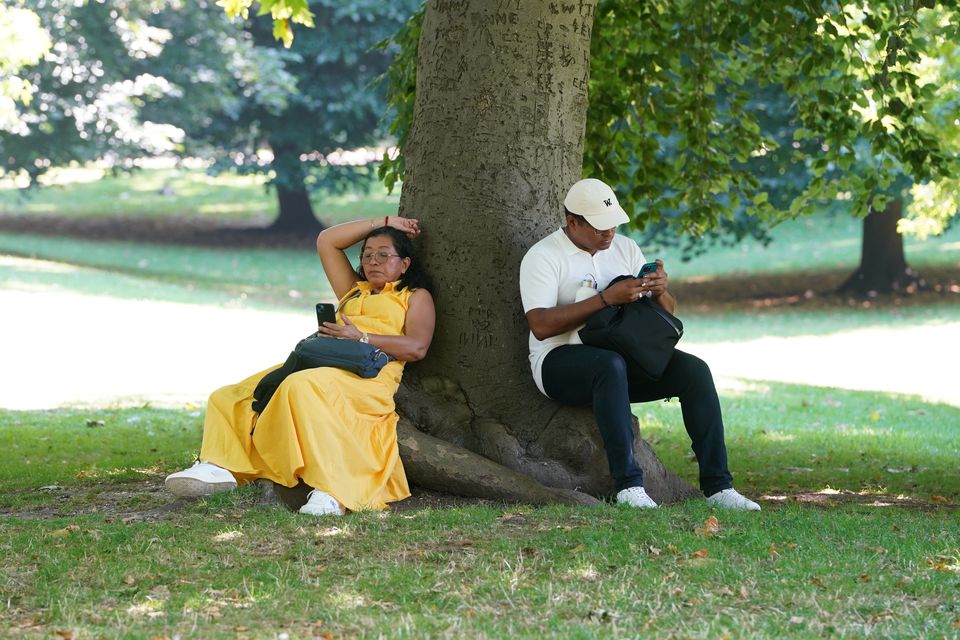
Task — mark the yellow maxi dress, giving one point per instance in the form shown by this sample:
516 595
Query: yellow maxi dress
332 428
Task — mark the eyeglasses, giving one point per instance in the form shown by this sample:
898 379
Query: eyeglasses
600 232
381 256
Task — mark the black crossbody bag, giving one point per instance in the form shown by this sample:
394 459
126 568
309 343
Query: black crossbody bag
643 332
317 350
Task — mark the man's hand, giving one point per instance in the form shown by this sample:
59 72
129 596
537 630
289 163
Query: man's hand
656 282
632 289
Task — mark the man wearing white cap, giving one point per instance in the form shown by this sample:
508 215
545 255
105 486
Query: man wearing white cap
564 280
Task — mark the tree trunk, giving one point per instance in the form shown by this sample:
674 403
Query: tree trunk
296 212
497 138
883 267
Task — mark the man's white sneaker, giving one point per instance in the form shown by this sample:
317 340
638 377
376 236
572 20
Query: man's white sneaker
320 503
636 497
731 499
202 479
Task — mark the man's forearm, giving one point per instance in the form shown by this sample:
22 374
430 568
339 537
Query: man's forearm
550 322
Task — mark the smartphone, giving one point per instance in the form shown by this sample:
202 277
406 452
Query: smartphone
326 312
648 268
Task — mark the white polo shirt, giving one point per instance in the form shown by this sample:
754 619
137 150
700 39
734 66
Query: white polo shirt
553 270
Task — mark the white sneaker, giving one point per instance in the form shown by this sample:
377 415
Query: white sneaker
731 499
202 479
321 503
636 497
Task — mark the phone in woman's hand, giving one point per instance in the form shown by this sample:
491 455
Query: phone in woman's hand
326 312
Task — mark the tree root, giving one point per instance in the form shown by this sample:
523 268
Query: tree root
440 465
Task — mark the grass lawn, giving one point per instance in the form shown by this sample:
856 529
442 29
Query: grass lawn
859 536
93 547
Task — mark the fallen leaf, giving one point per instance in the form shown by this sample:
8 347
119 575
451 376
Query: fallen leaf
865 577
940 499
63 533
577 549
773 551
878 549
654 551
744 593
710 526
130 580
701 553
796 620
66 634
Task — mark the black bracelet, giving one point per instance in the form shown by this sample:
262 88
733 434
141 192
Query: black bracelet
604 300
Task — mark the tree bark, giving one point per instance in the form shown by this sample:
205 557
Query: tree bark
295 209
883 265
497 138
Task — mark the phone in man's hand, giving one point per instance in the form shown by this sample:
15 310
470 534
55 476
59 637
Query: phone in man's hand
648 268
326 312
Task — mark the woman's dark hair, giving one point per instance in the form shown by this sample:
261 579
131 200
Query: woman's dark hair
415 277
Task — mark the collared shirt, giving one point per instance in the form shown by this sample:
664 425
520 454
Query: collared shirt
551 273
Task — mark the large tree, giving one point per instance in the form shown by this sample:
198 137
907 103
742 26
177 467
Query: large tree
495 136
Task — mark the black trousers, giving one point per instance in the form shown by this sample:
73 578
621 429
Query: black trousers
582 375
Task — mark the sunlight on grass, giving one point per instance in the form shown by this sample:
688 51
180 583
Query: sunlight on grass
779 436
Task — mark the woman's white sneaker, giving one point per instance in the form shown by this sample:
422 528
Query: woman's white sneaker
636 497
731 499
320 503
202 479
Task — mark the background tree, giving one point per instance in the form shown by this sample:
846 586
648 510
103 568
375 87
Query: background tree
302 103
86 89
23 42
125 80
680 128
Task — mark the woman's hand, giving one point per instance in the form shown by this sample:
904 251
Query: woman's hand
345 331
409 226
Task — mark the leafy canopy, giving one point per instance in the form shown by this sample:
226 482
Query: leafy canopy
734 114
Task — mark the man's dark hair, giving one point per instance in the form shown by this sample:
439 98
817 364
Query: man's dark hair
415 277
576 216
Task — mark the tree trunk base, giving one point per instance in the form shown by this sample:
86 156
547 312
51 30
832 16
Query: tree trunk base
446 448
864 284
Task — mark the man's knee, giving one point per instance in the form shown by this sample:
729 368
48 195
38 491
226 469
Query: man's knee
609 365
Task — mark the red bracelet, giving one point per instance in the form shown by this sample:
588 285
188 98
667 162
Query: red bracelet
386 221
604 300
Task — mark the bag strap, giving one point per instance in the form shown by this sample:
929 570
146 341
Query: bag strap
664 314
355 294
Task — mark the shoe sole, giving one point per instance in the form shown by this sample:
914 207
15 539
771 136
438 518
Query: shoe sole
193 488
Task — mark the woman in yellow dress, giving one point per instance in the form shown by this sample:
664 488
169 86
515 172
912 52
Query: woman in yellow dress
328 427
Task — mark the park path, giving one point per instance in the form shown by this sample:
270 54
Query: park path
61 348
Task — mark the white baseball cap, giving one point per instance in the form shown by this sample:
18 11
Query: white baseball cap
597 203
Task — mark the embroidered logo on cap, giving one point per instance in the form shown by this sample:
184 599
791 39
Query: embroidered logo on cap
608 202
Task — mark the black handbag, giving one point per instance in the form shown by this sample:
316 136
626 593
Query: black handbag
643 332
316 350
